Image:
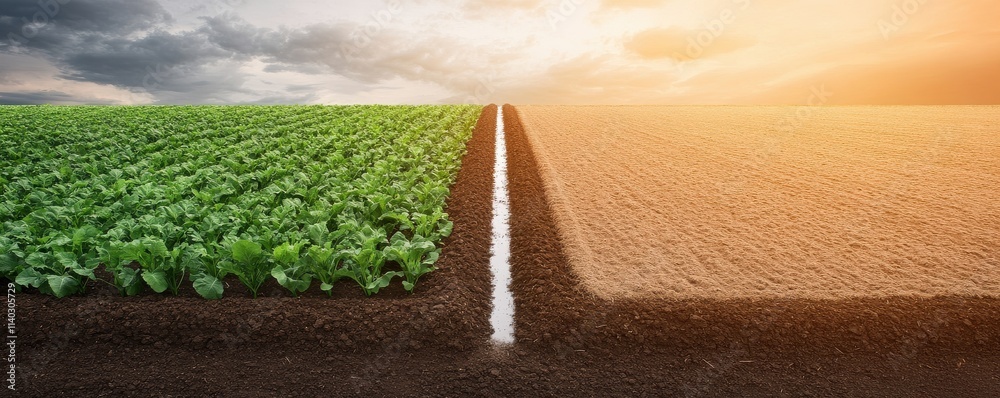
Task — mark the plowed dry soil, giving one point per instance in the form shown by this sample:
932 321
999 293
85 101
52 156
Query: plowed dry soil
774 202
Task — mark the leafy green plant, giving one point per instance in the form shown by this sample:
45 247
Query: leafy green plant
60 275
66 265
326 265
416 256
9 259
208 271
433 226
365 262
291 271
250 265
125 278
162 269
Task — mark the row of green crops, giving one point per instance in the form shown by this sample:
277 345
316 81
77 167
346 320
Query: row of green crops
162 196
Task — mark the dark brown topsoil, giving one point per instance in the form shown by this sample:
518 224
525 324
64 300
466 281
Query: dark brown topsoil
434 343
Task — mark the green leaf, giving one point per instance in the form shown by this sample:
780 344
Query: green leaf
63 285
30 277
447 229
432 257
383 281
408 286
84 234
245 251
89 273
67 260
127 281
8 265
44 288
326 287
60 241
156 247
293 279
320 255
38 259
344 273
287 253
318 233
208 287
279 273
398 239
92 262
297 286
192 257
156 280
128 276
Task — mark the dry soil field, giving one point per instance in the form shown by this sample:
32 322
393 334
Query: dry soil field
774 202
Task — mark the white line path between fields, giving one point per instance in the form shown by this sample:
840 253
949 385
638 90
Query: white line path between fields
502 317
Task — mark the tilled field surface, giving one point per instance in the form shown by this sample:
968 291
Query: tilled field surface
774 202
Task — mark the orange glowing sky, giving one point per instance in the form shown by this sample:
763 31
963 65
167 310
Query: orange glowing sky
518 51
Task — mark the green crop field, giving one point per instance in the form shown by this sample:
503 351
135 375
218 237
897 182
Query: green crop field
162 196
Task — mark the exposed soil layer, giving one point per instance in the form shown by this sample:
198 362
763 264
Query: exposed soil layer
145 371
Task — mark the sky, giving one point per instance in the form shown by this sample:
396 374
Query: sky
745 52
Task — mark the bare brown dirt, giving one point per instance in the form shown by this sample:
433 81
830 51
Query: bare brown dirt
779 202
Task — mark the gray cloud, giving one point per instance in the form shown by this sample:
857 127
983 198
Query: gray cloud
130 45
156 57
282 100
348 50
122 43
55 25
46 97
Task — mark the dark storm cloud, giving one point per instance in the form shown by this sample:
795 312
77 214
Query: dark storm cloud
48 23
343 48
42 98
130 44
117 42
139 63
